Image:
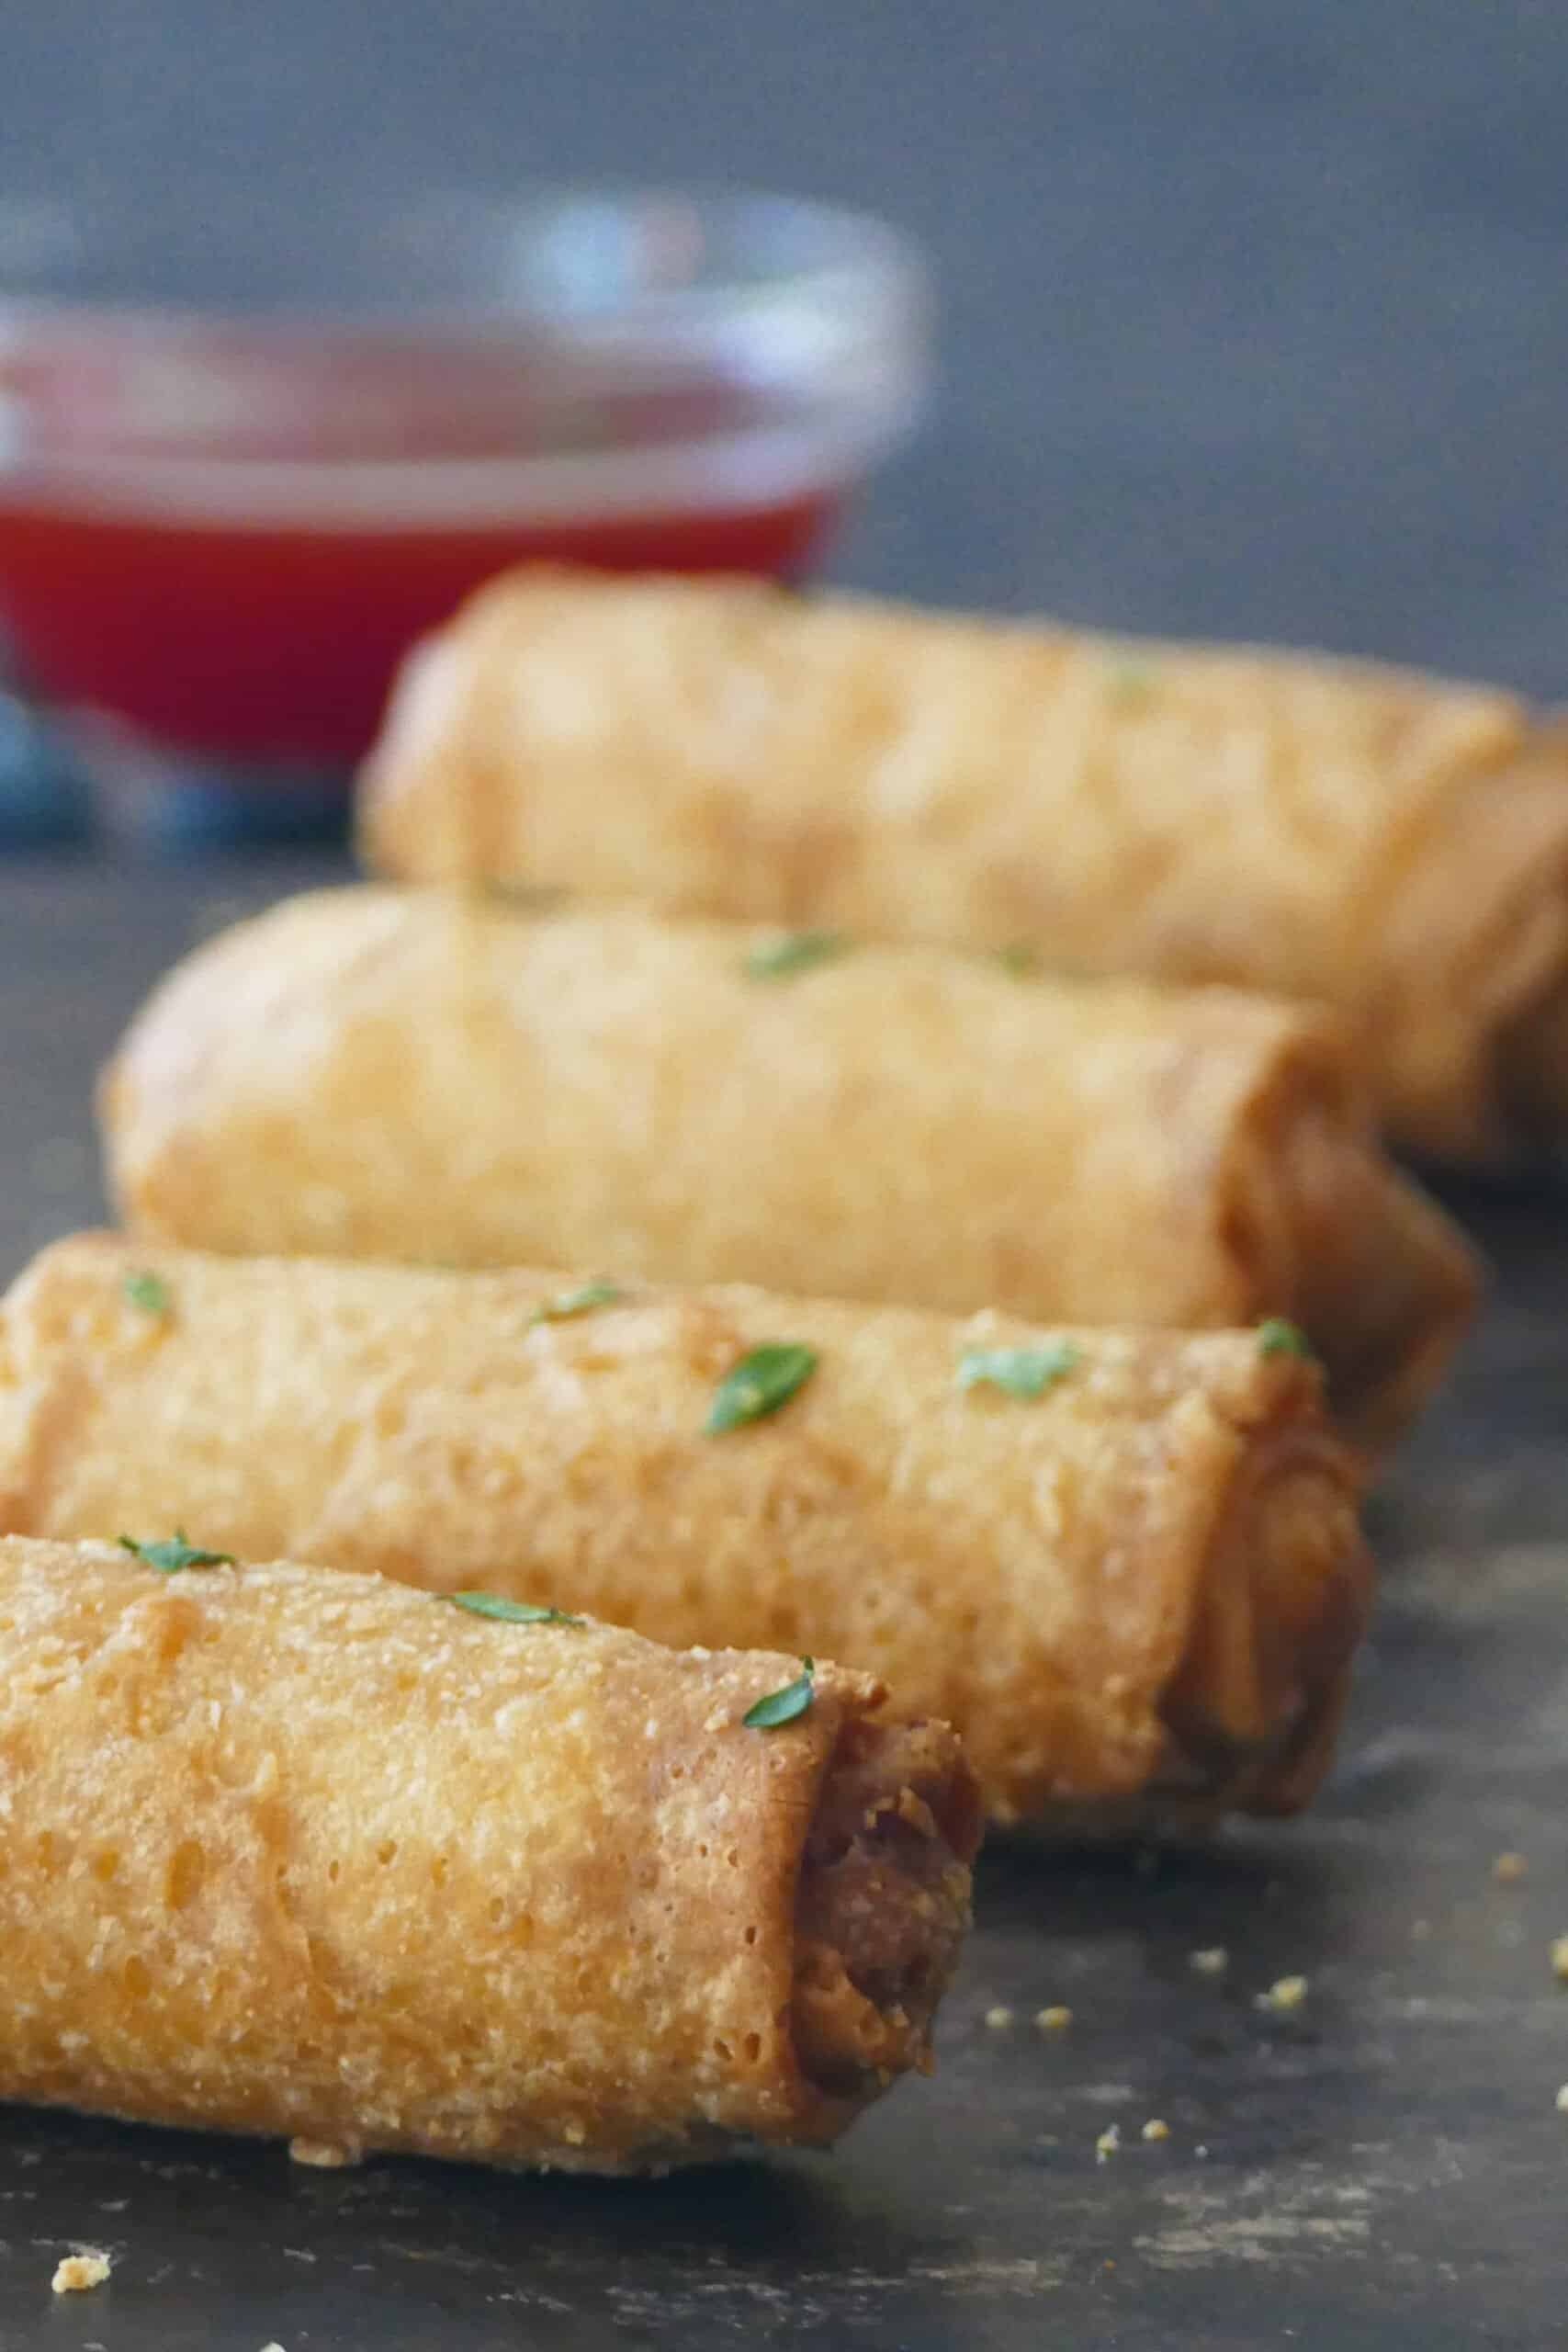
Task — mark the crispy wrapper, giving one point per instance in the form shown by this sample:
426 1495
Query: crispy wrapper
289 1851
1387 843
1143 1585
408 1075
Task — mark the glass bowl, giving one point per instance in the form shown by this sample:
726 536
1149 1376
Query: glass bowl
247 455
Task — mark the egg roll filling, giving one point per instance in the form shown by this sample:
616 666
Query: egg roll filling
1254 1706
882 1904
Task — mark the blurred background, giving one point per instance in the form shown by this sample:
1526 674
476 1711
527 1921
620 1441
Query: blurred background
1253 316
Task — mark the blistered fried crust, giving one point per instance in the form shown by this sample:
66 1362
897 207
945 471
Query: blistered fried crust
1039 1573
1391 843
304 1854
398 1075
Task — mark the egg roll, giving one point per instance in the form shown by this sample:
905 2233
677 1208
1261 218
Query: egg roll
1125 1566
1387 843
411 1075
306 1854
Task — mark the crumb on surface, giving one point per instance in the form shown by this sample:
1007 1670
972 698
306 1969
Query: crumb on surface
1508 1868
1560 1958
999 2017
1562 2100
1156 2129
1212 1962
1290 1992
1109 2140
323 2156
1055 2018
77 2272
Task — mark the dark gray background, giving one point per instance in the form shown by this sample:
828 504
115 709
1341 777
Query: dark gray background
1254 312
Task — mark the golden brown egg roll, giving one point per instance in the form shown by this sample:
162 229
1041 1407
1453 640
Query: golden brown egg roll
1135 1584
408 1075
289 1851
1387 843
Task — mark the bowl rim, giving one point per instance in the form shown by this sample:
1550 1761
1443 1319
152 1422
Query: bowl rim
860 256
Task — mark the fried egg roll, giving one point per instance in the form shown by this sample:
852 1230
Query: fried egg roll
1387 843
1126 1566
292 1852
409 1075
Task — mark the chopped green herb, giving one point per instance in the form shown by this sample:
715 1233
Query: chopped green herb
1279 1338
147 1290
765 1378
581 1301
174 1553
783 1706
1022 1371
791 950
512 1613
1022 960
1130 682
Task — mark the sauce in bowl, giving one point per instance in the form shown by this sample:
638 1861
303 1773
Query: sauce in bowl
239 474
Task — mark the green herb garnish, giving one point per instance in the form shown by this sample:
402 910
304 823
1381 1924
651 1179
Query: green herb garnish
511 1613
174 1553
1022 960
791 950
1022 1371
1279 1338
147 1290
765 1378
581 1301
783 1706
1130 682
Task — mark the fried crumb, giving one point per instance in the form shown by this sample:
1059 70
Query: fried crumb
999 2017
1508 1868
1290 1992
1105 2147
325 2155
1560 1958
1212 1962
80 2271
1053 2019
1156 2129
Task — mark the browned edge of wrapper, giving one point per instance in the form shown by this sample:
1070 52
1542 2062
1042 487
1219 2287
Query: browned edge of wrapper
1254 1708
1386 1284
1476 966
1325 1229
1280 1592
1533 1069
